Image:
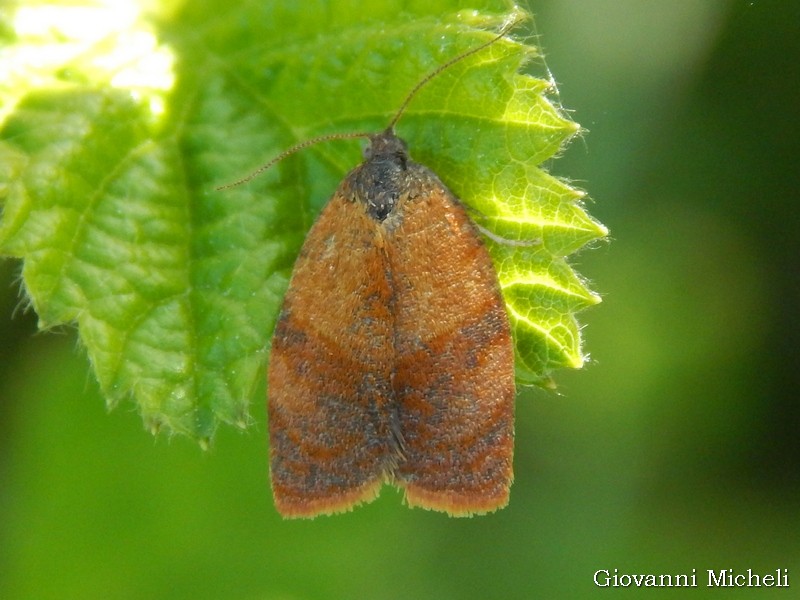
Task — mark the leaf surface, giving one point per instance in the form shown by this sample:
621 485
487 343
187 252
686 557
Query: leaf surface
110 167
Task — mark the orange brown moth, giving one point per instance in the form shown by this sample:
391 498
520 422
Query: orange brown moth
392 360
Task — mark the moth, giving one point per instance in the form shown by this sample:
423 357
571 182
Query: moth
392 359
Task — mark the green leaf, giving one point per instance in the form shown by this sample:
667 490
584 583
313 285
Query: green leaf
110 165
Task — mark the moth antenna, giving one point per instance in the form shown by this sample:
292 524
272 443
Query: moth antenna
512 22
289 152
507 26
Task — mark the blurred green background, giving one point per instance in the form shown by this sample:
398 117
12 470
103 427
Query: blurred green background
677 448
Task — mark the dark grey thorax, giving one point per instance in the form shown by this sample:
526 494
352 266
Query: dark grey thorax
385 175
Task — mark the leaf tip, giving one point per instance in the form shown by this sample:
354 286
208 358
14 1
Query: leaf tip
153 425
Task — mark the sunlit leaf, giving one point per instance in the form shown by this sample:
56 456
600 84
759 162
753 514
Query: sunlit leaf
115 150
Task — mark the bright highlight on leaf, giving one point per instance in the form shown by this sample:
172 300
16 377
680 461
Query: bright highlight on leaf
174 287
105 42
